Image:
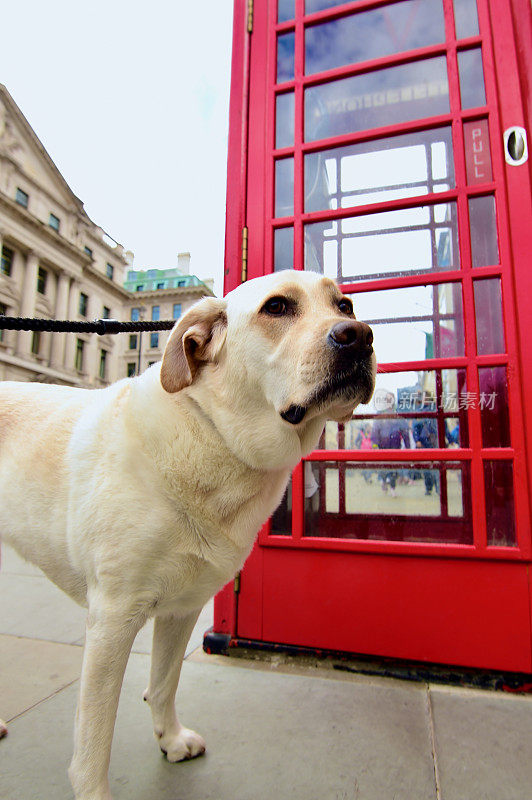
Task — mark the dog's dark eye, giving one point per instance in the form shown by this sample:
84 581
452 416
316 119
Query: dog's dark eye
345 306
276 306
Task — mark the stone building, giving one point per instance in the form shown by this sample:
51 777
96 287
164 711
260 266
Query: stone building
57 264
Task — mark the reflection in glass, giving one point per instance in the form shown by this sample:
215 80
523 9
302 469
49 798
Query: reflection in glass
499 493
285 57
414 323
284 120
408 165
465 18
375 99
488 314
412 241
285 10
493 403
284 187
321 5
426 408
483 228
414 501
283 249
281 520
371 34
472 90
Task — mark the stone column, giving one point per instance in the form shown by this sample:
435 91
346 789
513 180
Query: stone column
92 348
27 306
57 352
70 344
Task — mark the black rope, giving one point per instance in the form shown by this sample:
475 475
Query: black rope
100 326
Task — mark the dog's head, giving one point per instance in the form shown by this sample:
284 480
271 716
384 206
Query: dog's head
281 354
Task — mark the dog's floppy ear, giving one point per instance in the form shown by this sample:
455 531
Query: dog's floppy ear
197 338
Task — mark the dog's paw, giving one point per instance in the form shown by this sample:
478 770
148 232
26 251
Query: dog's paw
183 745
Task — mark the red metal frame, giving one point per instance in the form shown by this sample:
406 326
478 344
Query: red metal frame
252 157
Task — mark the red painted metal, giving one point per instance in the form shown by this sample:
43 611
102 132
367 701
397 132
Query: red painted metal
467 604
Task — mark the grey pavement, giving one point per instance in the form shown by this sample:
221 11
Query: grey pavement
273 729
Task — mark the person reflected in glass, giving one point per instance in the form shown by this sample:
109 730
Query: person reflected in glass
425 432
389 433
364 441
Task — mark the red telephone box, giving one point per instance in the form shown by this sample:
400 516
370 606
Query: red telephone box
383 143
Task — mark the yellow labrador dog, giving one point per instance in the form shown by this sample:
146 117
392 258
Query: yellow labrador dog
143 499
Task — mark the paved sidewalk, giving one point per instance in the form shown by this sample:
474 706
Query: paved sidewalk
273 731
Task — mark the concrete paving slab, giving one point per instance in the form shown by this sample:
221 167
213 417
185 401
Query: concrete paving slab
32 670
483 744
13 563
289 737
34 607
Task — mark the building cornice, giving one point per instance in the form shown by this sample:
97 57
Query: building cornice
23 216
104 281
180 291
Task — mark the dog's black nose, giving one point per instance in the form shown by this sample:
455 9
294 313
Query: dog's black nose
352 338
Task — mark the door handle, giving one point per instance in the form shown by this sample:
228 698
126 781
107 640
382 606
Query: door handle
515 146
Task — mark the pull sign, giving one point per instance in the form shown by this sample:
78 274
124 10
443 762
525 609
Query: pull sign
515 146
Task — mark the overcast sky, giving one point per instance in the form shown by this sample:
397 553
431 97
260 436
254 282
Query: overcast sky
131 100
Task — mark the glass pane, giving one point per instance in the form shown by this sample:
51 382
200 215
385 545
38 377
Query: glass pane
281 520
285 10
409 165
465 18
499 490
488 313
411 241
375 99
408 410
415 501
477 152
284 187
414 323
283 257
483 228
321 5
471 73
284 120
285 57
371 34
493 402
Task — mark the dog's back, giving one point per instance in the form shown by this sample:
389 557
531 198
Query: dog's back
36 423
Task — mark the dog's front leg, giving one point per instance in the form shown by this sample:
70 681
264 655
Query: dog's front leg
108 642
170 637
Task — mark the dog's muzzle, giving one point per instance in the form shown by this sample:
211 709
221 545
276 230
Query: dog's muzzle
351 343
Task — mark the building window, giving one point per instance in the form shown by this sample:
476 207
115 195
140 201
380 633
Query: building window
3 310
80 344
106 313
133 341
160 285
135 314
151 363
42 277
83 304
54 222
177 310
130 370
22 198
181 283
154 340
7 261
155 313
88 251
36 342
103 364
109 271
139 287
